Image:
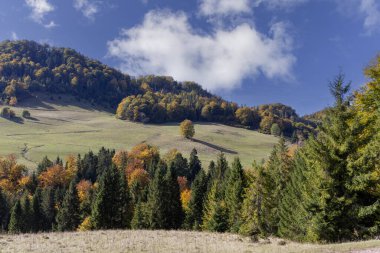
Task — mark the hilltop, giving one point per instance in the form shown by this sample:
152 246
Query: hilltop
27 67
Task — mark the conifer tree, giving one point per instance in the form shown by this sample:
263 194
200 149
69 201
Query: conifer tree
193 218
4 212
139 216
68 217
194 165
156 205
234 187
221 167
174 211
124 200
106 211
16 223
215 217
48 209
37 219
27 214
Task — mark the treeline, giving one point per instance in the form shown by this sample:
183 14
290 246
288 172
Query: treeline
158 107
26 66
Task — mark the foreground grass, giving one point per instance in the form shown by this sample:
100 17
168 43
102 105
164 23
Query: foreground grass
163 241
65 126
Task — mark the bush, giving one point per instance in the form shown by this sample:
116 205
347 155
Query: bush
7 113
275 130
25 114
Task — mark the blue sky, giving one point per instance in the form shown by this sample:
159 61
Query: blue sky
248 51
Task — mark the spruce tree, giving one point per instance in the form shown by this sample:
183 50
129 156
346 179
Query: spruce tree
27 214
194 166
48 209
16 222
156 205
124 200
174 211
215 217
234 187
139 216
68 217
4 212
193 218
37 219
109 207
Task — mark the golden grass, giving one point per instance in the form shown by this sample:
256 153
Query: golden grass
164 241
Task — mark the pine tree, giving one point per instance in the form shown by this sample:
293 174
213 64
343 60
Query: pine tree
139 216
16 223
109 205
294 217
37 219
43 165
156 205
174 212
68 217
4 212
27 214
274 178
193 218
194 165
221 167
48 208
234 187
215 217
125 210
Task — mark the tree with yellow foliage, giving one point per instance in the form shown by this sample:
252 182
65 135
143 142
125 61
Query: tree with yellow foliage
187 129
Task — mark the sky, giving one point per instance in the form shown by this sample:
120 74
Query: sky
248 51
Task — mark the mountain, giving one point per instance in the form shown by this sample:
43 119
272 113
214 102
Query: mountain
27 67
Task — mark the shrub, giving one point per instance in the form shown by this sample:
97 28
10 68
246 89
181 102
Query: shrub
275 130
25 114
7 113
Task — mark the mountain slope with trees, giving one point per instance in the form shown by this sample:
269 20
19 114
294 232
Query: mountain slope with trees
27 67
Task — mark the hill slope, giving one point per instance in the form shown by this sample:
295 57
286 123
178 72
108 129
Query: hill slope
65 126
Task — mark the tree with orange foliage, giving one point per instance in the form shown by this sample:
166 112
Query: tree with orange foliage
54 176
11 174
120 159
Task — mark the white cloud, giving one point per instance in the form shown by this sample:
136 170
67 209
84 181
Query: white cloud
224 7
49 25
39 9
371 12
14 36
87 7
166 44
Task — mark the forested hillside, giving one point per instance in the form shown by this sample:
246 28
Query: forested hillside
26 66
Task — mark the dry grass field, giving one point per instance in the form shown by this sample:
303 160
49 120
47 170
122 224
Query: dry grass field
65 126
165 241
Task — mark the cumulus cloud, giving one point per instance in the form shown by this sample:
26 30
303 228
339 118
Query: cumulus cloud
224 7
87 7
166 44
39 9
14 36
371 13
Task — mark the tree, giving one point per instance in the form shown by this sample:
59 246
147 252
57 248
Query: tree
193 218
68 217
25 114
234 187
48 205
174 211
194 166
4 211
156 215
27 214
187 129
16 223
215 217
139 216
37 219
275 130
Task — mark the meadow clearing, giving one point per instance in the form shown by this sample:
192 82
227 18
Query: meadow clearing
63 126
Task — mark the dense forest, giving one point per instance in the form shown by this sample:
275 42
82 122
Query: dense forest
328 190
26 67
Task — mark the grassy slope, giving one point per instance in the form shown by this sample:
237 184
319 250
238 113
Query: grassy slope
64 126
164 241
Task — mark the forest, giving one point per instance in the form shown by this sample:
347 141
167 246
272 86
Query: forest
328 190
27 67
